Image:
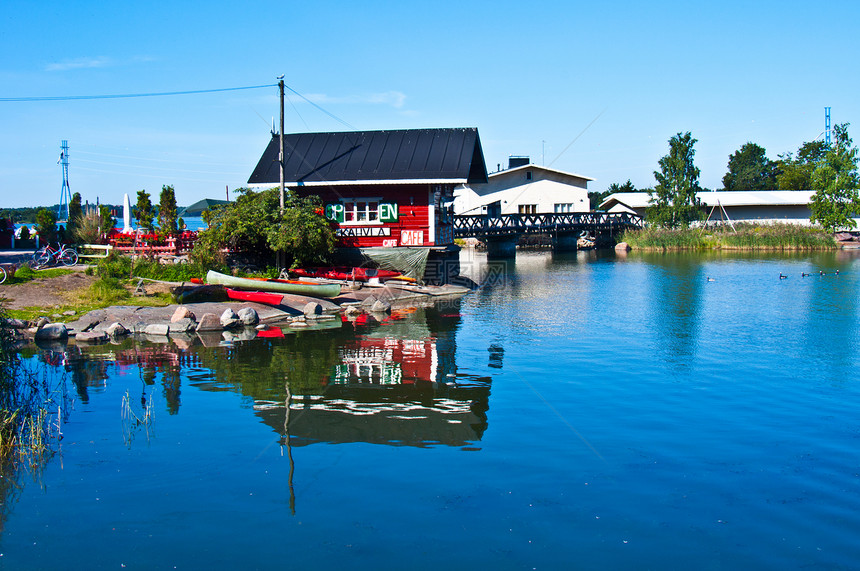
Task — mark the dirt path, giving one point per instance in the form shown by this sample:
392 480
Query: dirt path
44 292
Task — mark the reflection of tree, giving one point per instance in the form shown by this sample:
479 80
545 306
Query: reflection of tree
677 289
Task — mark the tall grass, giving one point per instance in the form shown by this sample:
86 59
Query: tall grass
30 413
744 236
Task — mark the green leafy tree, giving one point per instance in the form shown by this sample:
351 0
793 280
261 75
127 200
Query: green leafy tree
673 201
167 212
75 213
254 227
143 211
750 169
106 220
795 173
595 198
46 226
835 180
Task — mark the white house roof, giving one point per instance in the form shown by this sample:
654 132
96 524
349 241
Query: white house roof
537 167
723 197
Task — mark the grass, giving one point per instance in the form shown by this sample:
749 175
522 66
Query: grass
25 274
746 236
27 434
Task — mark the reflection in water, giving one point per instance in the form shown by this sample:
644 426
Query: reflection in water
676 288
393 381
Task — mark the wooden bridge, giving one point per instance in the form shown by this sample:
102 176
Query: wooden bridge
502 232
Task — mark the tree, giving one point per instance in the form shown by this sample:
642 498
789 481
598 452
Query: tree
835 180
595 198
75 214
106 220
254 227
674 202
46 226
167 223
143 211
796 173
750 169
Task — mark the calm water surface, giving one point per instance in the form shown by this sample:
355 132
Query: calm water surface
579 411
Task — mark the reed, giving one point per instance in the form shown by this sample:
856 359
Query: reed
744 236
27 434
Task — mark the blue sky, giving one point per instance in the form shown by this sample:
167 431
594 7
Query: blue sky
531 77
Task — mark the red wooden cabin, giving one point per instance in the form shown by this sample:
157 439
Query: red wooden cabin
390 189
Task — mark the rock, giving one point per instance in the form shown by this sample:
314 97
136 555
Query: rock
70 312
182 312
116 329
157 329
351 311
209 322
262 327
248 316
622 247
380 306
368 301
17 323
298 324
229 319
312 308
52 331
41 322
183 325
91 337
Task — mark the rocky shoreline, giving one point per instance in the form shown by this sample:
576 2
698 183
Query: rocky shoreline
214 321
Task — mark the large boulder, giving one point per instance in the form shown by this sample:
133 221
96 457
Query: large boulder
248 316
229 319
312 308
116 329
157 329
91 337
181 313
183 325
209 322
52 332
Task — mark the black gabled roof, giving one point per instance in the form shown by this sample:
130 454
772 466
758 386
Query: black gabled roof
365 156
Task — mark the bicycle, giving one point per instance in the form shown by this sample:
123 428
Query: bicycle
49 256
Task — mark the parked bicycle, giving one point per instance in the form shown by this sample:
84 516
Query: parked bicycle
49 256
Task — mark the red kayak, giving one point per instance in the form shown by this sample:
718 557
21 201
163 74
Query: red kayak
344 273
265 297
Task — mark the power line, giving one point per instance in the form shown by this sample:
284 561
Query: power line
129 95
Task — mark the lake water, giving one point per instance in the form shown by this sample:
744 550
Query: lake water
580 411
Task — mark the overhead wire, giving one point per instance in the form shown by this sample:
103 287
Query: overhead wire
128 95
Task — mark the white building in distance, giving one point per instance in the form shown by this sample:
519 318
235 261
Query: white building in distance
761 206
524 188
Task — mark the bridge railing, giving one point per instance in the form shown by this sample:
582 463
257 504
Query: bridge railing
466 225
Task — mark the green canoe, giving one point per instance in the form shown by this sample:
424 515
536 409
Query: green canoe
309 288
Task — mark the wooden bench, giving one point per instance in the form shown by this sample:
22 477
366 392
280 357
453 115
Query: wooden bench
85 249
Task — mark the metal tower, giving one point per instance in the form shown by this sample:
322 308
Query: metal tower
65 193
827 126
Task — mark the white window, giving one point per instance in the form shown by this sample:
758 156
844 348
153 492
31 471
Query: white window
563 207
361 211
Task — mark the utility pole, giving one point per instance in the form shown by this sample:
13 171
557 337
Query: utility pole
281 135
827 126
281 259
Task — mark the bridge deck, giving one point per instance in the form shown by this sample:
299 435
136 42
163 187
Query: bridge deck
506 225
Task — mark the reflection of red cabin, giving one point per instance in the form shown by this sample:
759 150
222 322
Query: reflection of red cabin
380 188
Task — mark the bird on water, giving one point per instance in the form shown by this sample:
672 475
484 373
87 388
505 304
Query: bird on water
710 279
782 277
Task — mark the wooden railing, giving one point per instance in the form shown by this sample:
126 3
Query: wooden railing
482 225
151 244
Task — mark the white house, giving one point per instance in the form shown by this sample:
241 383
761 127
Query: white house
526 189
766 206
